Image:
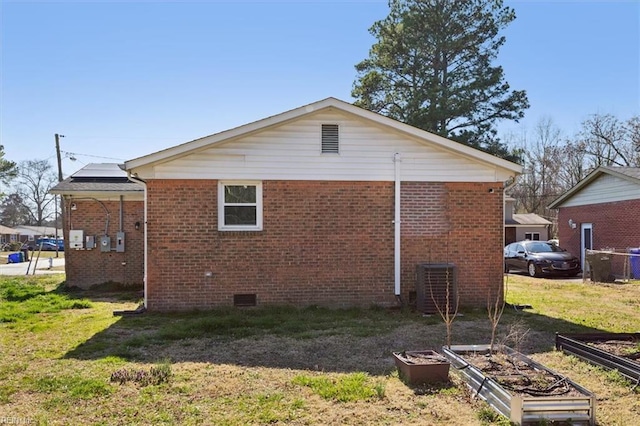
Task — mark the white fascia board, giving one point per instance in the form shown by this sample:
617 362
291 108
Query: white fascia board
426 137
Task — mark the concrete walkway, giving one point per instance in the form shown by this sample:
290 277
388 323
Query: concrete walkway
42 266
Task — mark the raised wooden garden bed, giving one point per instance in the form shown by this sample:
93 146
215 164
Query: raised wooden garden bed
614 351
519 388
422 367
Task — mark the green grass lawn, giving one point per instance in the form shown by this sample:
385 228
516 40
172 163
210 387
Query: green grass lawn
66 359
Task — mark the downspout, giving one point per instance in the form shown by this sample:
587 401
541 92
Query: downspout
397 269
144 184
121 213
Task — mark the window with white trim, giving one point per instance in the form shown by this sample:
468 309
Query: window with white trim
533 236
239 206
330 139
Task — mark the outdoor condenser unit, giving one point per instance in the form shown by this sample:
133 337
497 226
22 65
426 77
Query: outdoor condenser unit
433 279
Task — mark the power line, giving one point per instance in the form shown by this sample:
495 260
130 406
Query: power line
71 156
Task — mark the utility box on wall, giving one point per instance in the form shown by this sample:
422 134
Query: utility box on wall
120 242
105 243
76 239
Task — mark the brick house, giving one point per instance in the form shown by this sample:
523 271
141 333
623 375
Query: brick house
103 229
600 212
327 204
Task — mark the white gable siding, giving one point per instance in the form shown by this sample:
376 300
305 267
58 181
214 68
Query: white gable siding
292 151
605 189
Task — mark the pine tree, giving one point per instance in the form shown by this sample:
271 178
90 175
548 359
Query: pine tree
432 67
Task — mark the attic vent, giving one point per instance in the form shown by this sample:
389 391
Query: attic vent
330 139
244 300
431 287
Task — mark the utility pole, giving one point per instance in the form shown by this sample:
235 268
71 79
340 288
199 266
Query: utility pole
61 197
59 157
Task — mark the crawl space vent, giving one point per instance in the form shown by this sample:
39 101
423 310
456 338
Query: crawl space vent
431 287
244 300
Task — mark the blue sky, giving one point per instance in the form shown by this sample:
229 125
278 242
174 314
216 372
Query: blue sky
123 79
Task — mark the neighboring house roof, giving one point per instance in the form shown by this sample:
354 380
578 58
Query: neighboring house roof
630 176
97 178
375 119
5 230
530 219
37 230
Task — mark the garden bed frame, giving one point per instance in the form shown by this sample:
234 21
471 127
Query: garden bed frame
576 344
521 409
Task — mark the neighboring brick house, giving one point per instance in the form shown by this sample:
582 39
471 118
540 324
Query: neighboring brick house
301 208
101 206
601 211
31 233
523 226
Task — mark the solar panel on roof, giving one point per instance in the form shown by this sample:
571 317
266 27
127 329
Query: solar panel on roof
100 170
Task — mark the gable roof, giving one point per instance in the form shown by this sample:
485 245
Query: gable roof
530 219
426 137
5 230
97 178
630 174
38 230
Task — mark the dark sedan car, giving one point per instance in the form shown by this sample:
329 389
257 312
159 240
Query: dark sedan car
540 258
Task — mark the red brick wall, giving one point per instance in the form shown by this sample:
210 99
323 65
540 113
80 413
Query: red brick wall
325 243
464 226
86 268
615 225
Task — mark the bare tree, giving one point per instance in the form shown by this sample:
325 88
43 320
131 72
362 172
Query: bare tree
574 166
633 132
539 184
449 311
35 179
495 308
608 141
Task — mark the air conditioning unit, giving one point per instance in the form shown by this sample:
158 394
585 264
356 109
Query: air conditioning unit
433 281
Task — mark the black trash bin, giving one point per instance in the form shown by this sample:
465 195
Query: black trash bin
25 253
600 267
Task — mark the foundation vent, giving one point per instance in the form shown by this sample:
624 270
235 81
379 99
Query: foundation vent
244 300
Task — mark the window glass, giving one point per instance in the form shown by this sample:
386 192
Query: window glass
238 215
241 194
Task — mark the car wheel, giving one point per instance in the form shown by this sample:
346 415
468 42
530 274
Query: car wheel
506 268
533 269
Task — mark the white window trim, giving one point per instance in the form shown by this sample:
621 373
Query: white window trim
221 205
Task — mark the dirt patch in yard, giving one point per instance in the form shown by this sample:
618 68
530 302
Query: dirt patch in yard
622 348
520 377
341 353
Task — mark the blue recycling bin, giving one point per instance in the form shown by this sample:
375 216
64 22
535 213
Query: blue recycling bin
635 263
15 258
